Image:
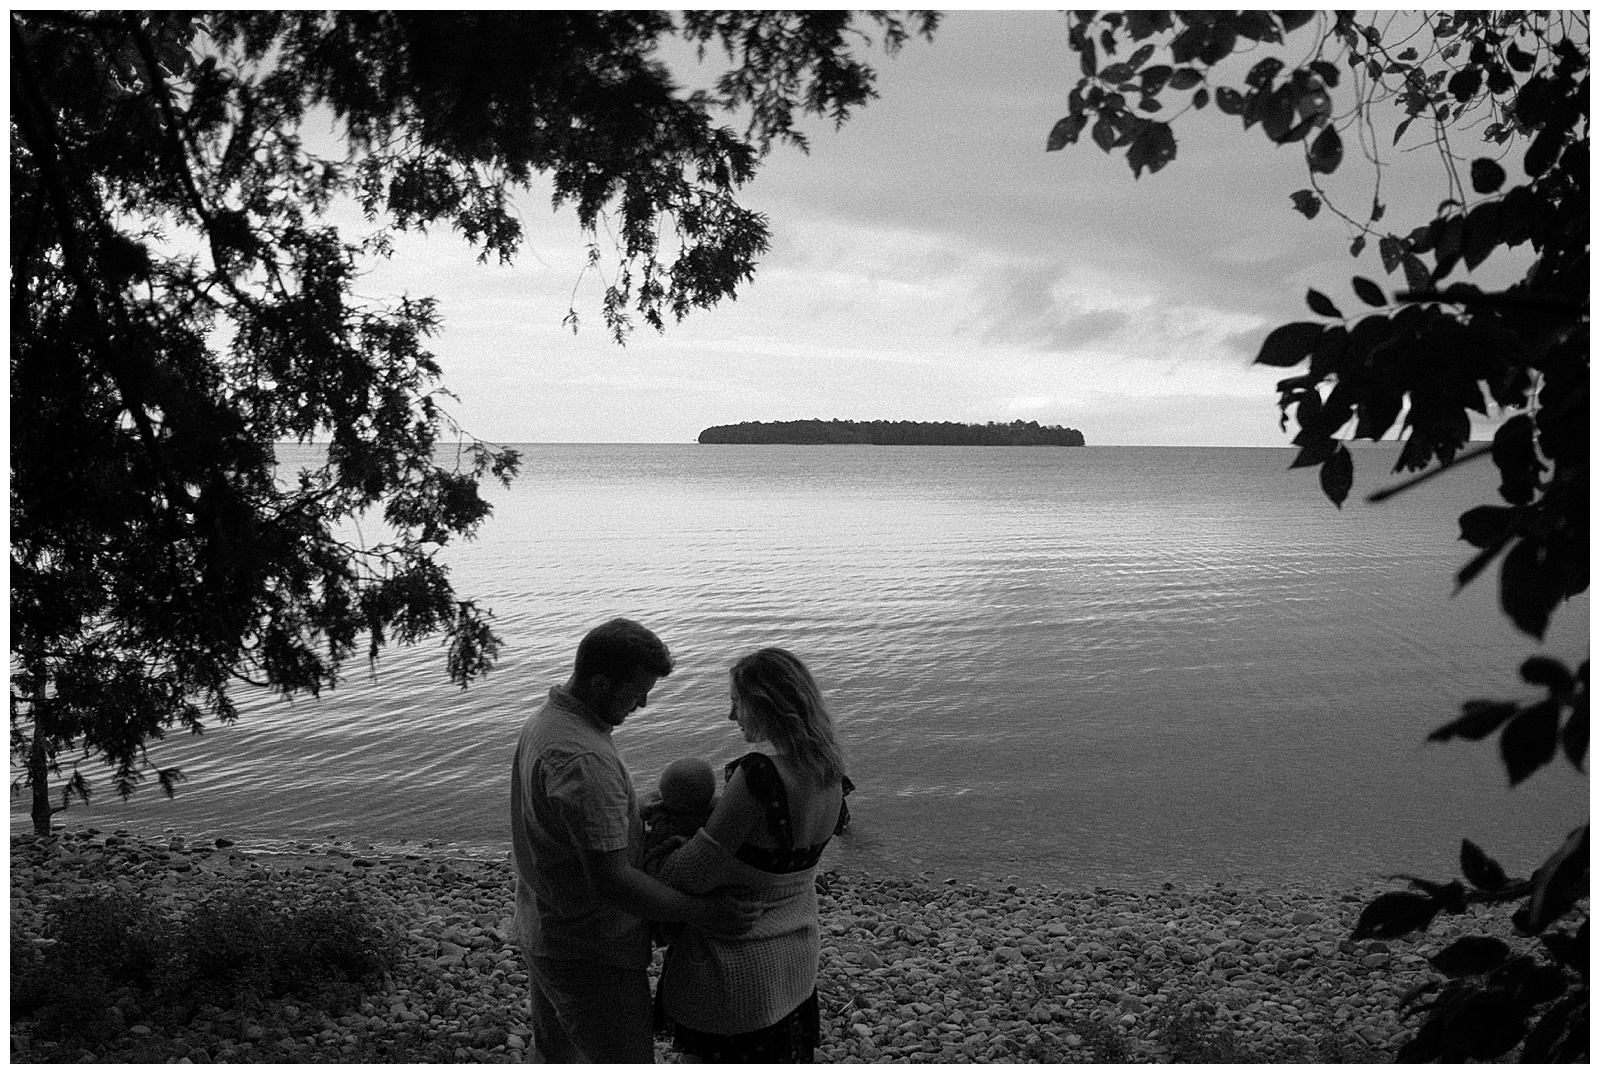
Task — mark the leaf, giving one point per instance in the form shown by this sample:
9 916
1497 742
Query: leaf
1514 455
1276 112
1153 147
1400 130
1450 895
1481 871
1575 735
1394 913
1293 20
1487 175
1065 132
1320 303
1390 251
1306 203
1417 276
1542 154
1465 82
1140 55
1316 450
1568 949
1471 955
1184 78
1478 719
1560 882
1152 79
1368 292
1529 741
1104 135
1486 526
1230 101
1551 674
1326 151
1202 97
1526 596
1562 1034
1325 71
1519 60
1484 230
1541 985
1262 74
1358 245
1484 1026
1337 475
1288 344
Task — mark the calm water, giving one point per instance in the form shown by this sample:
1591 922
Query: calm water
1085 665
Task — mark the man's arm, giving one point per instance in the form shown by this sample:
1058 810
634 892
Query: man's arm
643 896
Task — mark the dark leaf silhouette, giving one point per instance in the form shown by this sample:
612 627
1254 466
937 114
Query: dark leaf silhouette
1541 984
1326 152
1153 148
1465 82
1575 735
1320 304
1471 955
1557 884
1487 175
1289 344
1529 741
1306 203
1527 595
1483 1026
1338 473
1551 674
1562 1034
1394 913
1065 132
1481 871
1478 719
1569 949
1368 292
1486 526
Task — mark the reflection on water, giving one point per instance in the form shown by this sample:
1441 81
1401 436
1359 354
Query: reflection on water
1073 663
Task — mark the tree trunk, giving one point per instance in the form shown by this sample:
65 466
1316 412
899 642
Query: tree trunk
39 777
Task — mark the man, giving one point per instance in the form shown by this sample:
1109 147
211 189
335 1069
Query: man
582 902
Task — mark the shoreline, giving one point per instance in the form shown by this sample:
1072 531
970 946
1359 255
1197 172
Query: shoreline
915 968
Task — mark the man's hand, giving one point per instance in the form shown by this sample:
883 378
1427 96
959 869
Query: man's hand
723 915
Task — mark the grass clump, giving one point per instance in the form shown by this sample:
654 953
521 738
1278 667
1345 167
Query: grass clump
104 962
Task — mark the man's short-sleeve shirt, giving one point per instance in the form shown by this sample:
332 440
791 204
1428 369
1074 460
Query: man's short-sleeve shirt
570 792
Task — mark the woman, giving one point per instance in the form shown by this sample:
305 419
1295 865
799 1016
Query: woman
753 998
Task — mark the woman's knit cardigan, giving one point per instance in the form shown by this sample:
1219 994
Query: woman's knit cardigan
728 985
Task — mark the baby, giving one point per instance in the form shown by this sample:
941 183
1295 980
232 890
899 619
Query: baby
688 793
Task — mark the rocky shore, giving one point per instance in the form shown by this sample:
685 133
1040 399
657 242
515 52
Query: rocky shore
914 968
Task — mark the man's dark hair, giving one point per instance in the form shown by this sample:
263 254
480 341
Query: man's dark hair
618 648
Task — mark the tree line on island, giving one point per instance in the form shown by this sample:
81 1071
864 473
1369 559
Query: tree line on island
894 433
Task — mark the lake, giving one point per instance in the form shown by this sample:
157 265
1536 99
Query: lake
1078 665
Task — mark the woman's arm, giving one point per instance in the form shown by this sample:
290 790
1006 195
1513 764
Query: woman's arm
737 813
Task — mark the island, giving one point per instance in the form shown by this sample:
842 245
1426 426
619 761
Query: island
894 433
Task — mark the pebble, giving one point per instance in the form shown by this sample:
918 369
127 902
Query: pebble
913 968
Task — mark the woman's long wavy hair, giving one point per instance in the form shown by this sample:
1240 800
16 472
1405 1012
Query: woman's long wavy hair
788 711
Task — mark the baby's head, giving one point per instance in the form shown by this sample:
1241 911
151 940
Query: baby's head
687 784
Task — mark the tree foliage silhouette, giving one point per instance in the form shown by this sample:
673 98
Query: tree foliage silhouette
1418 361
181 302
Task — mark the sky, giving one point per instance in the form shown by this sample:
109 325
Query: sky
930 261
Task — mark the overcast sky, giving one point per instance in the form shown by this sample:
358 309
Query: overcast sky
930 261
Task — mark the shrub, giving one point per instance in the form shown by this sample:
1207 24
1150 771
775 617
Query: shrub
237 949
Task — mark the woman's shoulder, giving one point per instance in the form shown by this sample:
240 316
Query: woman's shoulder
755 765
